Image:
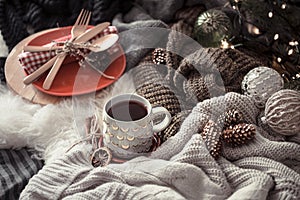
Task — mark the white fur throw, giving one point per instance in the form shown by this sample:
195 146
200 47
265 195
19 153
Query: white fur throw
51 129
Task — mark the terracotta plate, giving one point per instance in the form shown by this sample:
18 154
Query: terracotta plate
73 79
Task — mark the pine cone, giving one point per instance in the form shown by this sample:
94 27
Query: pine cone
239 134
230 118
211 135
227 136
159 56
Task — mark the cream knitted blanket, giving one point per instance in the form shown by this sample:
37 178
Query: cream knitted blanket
181 168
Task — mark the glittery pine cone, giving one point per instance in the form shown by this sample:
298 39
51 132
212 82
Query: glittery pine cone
159 56
230 118
238 134
211 135
227 136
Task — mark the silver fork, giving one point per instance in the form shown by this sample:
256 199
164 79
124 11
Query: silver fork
78 28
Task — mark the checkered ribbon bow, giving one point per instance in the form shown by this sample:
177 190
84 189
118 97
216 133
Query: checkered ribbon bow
31 61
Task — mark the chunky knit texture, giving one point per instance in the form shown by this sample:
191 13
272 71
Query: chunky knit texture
228 65
207 110
151 84
197 85
182 167
175 124
176 46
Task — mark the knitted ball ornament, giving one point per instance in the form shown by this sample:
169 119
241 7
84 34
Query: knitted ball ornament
211 27
260 83
282 112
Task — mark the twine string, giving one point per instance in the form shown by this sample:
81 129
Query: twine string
79 50
73 48
95 137
93 134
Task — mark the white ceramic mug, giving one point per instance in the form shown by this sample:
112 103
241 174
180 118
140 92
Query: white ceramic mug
129 132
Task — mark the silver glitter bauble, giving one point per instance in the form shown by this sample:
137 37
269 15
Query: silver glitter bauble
260 83
282 112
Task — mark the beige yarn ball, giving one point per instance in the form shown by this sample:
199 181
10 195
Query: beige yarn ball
282 112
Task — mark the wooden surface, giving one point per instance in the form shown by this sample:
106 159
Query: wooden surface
15 75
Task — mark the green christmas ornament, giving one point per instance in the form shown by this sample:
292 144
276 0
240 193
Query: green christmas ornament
211 27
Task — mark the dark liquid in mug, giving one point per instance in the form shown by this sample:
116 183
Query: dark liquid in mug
127 111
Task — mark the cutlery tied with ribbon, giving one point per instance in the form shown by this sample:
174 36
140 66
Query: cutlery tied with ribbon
80 51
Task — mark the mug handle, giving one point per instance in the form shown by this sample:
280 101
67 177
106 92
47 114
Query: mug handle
165 122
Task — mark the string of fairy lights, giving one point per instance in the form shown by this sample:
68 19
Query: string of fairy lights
291 48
